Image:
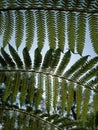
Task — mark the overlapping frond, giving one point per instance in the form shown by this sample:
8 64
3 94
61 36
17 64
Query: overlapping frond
34 85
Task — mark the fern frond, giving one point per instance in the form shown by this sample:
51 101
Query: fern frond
55 59
93 27
76 66
85 105
63 94
47 59
2 23
9 26
81 30
2 62
19 27
55 92
27 58
71 30
51 29
16 57
95 101
92 82
48 89
7 58
23 88
29 15
78 100
93 72
70 96
64 62
40 21
37 58
61 29
90 64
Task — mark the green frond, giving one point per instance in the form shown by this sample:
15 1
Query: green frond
39 90
75 66
47 59
71 30
2 77
9 27
41 33
27 58
23 88
37 58
2 23
2 62
78 100
61 29
16 57
51 28
90 64
55 59
85 105
19 27
7 58
15 88
93 24
63 94
81 31
92 82
93 72
48 92
64 62
70 96
29 15
31 88
95 101
55 92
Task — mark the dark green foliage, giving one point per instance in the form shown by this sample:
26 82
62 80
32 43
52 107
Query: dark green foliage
7 58
2 61
15 57
37 58
27 59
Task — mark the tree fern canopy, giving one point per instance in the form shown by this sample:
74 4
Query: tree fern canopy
48 78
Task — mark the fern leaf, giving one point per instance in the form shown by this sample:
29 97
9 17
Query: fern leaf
70 97
31 88
8 28
40 19
2 77
2 62
37 58
90 64
85 105
2 23
93 24
71 28
55 59
19 27
16 87
48 93
78 100
51 29
39 90
29 28
63 95
64 62
93 72
81 30
61 29
7 58
92 82
27 59
23 90
76 66
55 92
15 57
95 101
47 59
